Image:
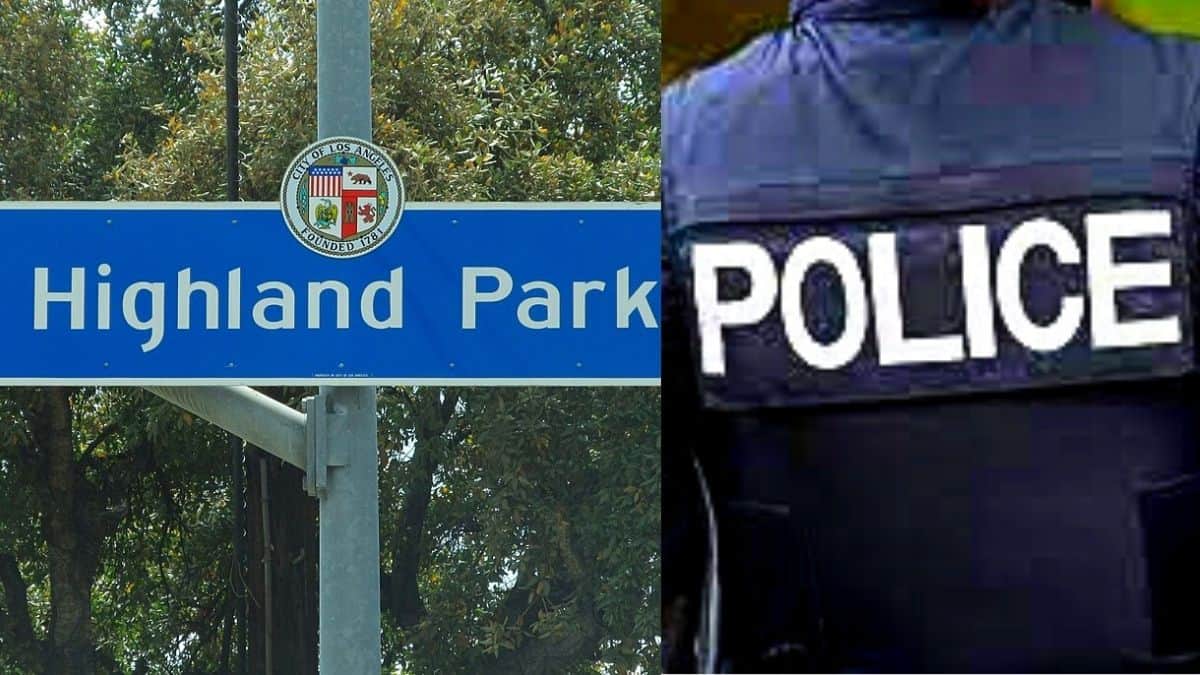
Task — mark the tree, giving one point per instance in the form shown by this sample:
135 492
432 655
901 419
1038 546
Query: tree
528 540
475 100
44 67
84 468
102 486
147 60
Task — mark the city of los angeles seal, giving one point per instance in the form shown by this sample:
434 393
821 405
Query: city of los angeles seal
342 197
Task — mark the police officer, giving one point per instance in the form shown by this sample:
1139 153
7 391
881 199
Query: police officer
928 335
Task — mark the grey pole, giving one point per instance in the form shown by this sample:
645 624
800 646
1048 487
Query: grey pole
254 416
349 506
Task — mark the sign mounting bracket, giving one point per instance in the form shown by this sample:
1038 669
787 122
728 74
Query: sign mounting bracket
321 451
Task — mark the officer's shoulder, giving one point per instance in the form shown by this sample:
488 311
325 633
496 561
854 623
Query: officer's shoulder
728 79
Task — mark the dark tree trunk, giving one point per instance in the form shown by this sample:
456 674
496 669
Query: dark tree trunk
404 598
19 639
71 538
292 532
400 596
235 635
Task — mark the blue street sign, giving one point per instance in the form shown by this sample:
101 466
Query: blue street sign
144 293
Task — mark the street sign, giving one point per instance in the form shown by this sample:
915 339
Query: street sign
221 293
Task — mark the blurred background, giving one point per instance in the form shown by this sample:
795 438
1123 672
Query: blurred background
699 32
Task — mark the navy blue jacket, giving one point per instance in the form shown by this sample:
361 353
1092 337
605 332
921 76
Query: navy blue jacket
1026 510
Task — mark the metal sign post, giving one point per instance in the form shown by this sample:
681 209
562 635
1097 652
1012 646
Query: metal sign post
348 637
335 440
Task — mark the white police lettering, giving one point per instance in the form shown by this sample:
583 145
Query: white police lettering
712 314
837 255
1105 277
1027 236
894 348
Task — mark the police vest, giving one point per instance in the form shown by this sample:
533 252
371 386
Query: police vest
931 298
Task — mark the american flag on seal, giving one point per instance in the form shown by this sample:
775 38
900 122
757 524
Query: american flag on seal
324 181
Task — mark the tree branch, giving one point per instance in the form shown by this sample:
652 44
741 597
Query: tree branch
548 17
17 626
579 641
581 638
402 598
104 434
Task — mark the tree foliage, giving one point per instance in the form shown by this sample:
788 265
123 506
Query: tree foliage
476 100
541 536
43 67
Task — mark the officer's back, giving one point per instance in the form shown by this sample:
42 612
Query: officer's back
1013 505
